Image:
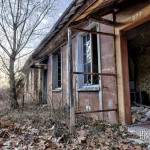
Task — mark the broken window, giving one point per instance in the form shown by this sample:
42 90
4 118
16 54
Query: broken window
56 69
90 58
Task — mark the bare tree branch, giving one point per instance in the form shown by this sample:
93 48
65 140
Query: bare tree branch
19 22
12 15
6 35
24 55
5 50
5 65
4 71
38 21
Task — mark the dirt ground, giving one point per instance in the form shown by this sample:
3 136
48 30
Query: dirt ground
34 128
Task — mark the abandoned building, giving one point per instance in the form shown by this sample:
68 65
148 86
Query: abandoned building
97 53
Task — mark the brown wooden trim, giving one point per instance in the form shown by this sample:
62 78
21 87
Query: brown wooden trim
125 73
125 68
75 23
95 111
92 32
101 74
70 82
94 18
102 20
137 23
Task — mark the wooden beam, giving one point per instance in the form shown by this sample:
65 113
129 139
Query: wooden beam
95 111
96 19
100 74
102 20
75 23
70 82
39 66
94 7
93 32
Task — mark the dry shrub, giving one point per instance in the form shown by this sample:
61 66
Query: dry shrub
4 100
36 116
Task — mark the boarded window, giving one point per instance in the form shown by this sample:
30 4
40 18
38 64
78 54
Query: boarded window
56 70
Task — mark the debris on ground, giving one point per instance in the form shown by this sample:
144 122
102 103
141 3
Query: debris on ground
39 131
140 114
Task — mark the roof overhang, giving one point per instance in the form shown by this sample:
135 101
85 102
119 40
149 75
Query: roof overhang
94 7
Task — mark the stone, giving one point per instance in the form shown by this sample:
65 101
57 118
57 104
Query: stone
148 114
82 136
137 141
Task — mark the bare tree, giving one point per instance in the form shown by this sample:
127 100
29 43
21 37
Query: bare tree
19 22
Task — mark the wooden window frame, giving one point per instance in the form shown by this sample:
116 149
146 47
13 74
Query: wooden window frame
56 87
82 85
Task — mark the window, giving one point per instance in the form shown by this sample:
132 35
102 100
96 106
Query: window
56 70
90 58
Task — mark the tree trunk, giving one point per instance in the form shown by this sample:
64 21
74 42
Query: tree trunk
13 95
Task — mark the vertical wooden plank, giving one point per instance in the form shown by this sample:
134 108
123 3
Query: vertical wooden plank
70 82
108 65
125 73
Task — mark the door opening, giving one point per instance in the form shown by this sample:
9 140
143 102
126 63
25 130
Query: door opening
44 76
138 41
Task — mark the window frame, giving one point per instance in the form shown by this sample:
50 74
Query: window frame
54 88
81 85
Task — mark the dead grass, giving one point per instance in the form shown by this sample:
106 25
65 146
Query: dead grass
40 128
36 116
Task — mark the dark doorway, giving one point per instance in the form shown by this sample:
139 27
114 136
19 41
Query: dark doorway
139 64
44 80
45 87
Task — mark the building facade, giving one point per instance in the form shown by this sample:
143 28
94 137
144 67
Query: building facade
104 39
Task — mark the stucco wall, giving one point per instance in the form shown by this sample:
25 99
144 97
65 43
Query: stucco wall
59 96
91 99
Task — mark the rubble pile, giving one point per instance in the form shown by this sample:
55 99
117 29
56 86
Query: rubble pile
88 135
140 114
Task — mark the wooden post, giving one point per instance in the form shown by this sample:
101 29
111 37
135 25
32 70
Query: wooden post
70 82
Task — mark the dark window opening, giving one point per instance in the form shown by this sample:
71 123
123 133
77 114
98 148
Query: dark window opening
57 69
45 86
95 58
90 58
44 80
87 59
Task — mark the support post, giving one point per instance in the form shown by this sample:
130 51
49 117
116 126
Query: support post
70 82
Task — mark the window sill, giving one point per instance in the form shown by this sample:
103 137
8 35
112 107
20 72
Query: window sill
89 88
57 90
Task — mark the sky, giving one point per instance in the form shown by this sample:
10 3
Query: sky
48 22
46 25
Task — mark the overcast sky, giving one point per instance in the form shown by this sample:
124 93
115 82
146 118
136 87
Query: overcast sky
49 21
46 25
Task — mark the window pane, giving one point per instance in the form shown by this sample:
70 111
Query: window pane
87 59
90 58
57 70
95 59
